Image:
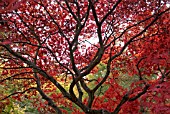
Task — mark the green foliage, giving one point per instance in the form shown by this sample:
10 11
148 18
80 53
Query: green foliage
22 107
125 80
93 79
13 108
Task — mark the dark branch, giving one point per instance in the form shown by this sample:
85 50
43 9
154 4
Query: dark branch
18 93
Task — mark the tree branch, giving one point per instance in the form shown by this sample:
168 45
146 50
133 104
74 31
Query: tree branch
13 76
109 12
18 93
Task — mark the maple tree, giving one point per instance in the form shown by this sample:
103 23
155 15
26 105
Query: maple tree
77 55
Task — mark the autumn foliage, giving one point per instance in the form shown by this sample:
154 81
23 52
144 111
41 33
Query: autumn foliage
86 56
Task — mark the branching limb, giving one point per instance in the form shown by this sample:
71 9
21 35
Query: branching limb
126 98
70 11
15 75
44 96
140 94
139 71
18 93
109 12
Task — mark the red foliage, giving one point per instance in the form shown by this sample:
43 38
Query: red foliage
55 48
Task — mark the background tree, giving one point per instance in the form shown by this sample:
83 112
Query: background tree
84 54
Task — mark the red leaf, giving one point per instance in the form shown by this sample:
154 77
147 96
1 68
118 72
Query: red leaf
6 42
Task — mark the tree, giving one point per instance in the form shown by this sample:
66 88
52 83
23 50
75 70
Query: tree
76 54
